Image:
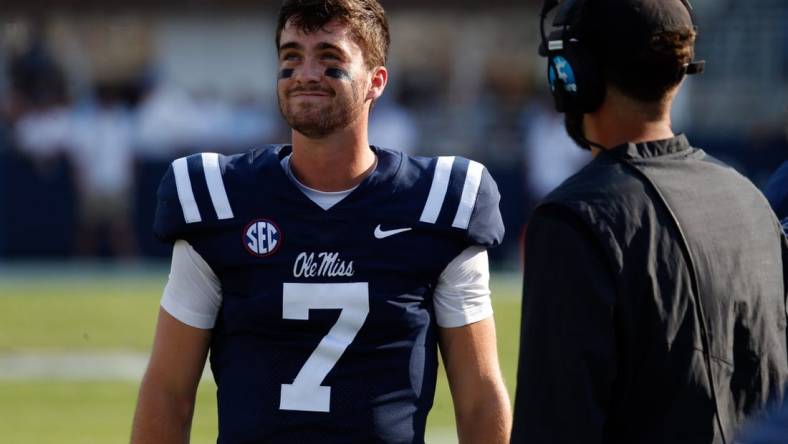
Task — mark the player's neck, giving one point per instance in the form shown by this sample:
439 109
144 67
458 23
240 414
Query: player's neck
621 120
337 162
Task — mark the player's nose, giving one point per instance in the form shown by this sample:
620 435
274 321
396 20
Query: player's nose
309 71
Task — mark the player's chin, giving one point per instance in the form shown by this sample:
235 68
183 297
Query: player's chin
312 126
314 131
307 116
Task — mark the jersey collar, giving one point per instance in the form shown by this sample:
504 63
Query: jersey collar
655 148
389 163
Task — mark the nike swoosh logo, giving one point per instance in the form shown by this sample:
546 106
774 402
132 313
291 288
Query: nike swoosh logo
381 234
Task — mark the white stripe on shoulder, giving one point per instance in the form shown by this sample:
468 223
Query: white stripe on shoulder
213 176
470 191
440 184
183 183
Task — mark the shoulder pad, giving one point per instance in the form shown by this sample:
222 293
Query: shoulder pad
191 195
464 196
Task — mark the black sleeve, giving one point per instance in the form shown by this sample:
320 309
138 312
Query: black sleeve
567 343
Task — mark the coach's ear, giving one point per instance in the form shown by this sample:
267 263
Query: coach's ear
380 78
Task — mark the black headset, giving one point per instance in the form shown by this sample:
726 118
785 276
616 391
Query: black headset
576 81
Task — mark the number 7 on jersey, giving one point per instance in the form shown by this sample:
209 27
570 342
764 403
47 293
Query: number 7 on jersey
306 393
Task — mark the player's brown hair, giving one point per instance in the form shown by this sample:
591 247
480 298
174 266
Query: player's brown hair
365 18
651 72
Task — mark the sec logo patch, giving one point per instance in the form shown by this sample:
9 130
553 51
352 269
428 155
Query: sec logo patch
262 238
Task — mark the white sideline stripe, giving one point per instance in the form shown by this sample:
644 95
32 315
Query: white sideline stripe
64 366
440 184
470 191
183 183
213 176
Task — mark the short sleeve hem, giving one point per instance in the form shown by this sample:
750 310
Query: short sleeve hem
470 316
183 314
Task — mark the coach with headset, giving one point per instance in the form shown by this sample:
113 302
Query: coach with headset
654 301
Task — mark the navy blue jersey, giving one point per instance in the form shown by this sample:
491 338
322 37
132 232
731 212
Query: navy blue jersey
326 331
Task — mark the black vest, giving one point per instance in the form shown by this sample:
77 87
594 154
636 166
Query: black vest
660 209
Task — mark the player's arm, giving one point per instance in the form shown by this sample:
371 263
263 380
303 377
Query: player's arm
189 306
468 347
481 403
166 398
568 351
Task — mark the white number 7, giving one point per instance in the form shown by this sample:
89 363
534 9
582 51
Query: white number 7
305 393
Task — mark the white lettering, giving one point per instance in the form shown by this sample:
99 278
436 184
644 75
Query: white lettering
299 268
262 230
262 238
326 265
251 234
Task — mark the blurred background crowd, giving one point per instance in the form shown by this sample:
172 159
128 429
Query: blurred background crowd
96 101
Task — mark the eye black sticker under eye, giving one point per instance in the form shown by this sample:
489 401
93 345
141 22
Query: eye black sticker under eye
286 73
338 74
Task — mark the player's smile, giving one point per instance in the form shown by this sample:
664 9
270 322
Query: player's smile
310 93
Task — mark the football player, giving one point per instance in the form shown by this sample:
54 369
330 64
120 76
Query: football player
323 274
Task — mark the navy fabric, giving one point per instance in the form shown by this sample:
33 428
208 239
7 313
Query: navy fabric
771 429
777 193
169 222
382 386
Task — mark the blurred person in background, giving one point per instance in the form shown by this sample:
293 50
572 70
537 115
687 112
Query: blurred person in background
654 286
393 126
94 135
102 154
37 80
551 155
321 275
38 105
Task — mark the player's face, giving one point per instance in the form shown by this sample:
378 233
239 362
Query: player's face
324 85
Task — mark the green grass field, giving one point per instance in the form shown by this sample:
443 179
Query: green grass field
99 313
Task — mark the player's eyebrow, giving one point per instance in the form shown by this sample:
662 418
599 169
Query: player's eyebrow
328 46
322 46
290 45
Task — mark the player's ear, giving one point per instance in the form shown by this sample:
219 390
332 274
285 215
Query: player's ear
380 78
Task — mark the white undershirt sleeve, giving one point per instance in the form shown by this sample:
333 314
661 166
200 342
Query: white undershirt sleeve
462 295
193 294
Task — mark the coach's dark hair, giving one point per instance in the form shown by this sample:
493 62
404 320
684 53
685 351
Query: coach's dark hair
648 71
365 18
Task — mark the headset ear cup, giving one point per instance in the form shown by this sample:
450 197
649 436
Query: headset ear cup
564 82
588 78
557 86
